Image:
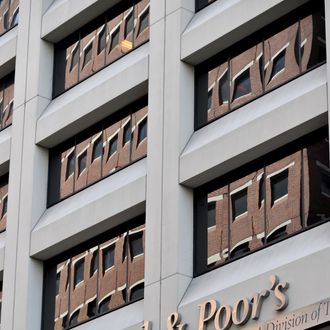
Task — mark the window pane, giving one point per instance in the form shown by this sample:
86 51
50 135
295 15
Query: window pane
211 214
144 21
142 130
136 244
82 161
79 271
127 133
239 203
141 16
67 162
87 54
113 145
97 148
246 81
281 60
279 186
129 24
217 235
108 257
101 41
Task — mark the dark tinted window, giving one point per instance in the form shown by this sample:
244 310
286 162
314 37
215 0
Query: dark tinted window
70 165
101 41
136 244
94 264
79 271
127 133
129 24
97 147
239 203
108 257
224 88
279 186
74 318
144 20
91 308
278 63
75 57
261 190
137 292
88 54
15 18
114 39
113 145
142 133
82 162
211 214
5 205
104 305
242 84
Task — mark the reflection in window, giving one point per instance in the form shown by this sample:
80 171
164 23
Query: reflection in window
136 244
91 308
108 257
74 57
224 88
240 250
137 292
74 318
88 54
82 162
127 133
239 203
79 271
129 24
4 207
144 21
210 214
278 64
97 148
104 305
101 41
6 20
15 18
113 144
58 278
94 264
261 190
279 186
142 130
209 99
69 165
242 84
114 39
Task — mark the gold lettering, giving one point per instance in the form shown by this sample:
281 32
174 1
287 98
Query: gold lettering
172 322
222 319
241 311
211 307
257 301
281 296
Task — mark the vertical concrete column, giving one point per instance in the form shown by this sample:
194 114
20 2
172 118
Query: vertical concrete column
23 276
327 33
177 206
154 206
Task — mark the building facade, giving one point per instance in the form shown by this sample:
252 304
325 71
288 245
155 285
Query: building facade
164 164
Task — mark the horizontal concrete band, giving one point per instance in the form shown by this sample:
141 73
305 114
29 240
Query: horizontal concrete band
90 212
8 52
296 108
107 91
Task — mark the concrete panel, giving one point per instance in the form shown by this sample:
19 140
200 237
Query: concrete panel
2 250
95 98
299 106
125 318
226 22
65 16
8 52
92 211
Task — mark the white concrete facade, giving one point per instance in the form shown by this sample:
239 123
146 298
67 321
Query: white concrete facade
179 159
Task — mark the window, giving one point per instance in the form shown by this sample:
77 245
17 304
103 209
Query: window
144 21
101 41
91 308
279 186
82 162
239 203
278 64
74 57
79 271
97 148
325 184
6 20
113 145
209 99
104 305
103 292
261 190
4 207
242 84
211 214
114 39
94 264
127 133
136 244
58 278
88 54
224 88
108 257
137 292
142 130
15 18
256 65
230 204
69 165
129 24
102 157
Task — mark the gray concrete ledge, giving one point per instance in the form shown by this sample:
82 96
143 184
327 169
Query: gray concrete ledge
261 126
90 212
226 22
97 97
66 16
5 145
8 52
